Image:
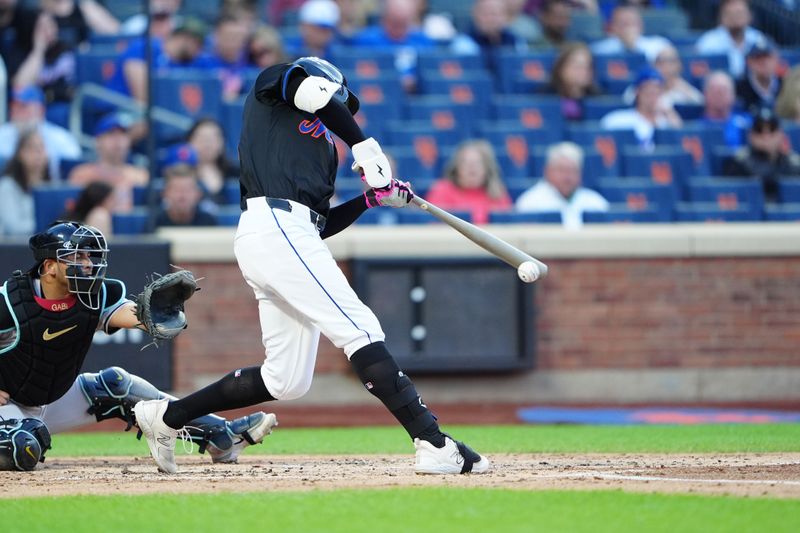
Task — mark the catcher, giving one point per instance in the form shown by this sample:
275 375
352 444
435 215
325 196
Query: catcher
48 317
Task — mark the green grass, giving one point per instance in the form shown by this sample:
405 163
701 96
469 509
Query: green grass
489 439
440 510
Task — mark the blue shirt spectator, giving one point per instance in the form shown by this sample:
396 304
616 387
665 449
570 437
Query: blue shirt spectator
719 94
734 36
318 33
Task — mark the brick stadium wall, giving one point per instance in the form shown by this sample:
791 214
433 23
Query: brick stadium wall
592 313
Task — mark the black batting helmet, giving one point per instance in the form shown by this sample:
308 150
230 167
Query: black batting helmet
83 249
314 66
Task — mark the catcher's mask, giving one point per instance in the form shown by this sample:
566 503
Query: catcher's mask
84 251
314 66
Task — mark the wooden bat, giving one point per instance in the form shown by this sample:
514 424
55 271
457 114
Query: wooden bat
528 268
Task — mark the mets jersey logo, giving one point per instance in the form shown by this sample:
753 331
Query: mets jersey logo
316 129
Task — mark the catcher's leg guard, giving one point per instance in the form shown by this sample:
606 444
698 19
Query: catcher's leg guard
382 377
113 392
22 443
225 439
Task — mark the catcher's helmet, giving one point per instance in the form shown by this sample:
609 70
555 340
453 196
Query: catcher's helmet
315 66
83 249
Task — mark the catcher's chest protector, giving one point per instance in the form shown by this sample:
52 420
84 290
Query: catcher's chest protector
51 346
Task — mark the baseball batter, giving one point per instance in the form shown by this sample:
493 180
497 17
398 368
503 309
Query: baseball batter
288 167
48 316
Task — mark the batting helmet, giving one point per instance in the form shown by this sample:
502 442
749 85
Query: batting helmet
314 66
83 250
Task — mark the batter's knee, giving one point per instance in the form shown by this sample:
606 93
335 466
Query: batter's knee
284 388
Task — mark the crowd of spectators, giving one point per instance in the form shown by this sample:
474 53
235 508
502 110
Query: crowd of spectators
42 42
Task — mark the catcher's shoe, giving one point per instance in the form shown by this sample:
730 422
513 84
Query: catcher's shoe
160 437
453 458
244 431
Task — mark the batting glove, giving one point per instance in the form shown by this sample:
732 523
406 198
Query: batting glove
396 194
370 159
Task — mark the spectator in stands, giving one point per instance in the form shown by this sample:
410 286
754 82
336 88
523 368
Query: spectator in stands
17 22
647 112
181 200
277 9
676 89
625 36
94 207
76 20
181 49
555 17
113 146
27 168
521 23
720 97
354 15
27 111
560 189
213 168
318 21
162 19
265 48
490 28
734 35
573 79
760 85
472 182
767 155
788 104
227 54
398 32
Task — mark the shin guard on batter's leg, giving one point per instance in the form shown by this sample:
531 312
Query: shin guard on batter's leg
382 377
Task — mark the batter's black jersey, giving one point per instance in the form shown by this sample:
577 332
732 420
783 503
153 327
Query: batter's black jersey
284 152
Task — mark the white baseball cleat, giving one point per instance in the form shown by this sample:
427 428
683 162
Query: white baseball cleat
453 458
160 437
244 431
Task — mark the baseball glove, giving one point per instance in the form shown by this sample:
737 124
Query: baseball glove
159 307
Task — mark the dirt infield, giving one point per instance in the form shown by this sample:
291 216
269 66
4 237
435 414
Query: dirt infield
752 475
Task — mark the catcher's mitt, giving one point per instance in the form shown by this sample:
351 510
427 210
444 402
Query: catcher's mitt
159 307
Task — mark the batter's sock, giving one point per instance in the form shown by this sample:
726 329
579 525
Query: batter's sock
240 388
382 377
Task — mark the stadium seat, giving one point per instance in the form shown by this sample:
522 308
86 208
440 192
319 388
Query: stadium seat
363 63
423 161
533 67
194 93
422 137
473 89
118 42
596 107
789 190
534 112
231 121
441 113
134 223
517 186
416 216
639 194
585 26
96 65
720 154
384 217
228 216
447 65
608 143
711 212
66 166
663 165
51 201
141 193
782 212
514 163
618 66
729 194
513 217
695 139
664 21
696 66
689 112
511 136
621 213
384 89
373 117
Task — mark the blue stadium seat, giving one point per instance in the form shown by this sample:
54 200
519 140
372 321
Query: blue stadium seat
710 212
118 42
534 112
793 134
66 166
514 164
441 113
618 66
373 117
789 190
473 89
51 201
447 65
719 154
585 26
229 216
511 136
782 212
382 217
695 139
663 165
608 143
517 186
230 118
621 213
533 67
232 191
140 193
616 87
416 216
363 63
195 93
729 194
133 223
420 162
664 21
96 65
596 107
639 194
384 89
689 112
421 136
513 217
696 66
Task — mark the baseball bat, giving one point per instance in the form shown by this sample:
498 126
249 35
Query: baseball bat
494 245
